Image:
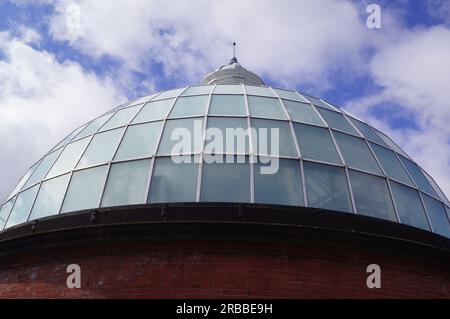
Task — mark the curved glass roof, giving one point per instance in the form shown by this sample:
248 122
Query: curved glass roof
324 158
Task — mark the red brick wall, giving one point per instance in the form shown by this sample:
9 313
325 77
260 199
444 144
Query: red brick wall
220 270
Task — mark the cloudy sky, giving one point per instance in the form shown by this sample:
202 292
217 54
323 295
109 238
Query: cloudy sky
64 62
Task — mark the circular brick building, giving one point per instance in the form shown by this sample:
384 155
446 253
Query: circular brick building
229 189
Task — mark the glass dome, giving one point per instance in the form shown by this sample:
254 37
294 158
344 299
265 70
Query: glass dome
327 159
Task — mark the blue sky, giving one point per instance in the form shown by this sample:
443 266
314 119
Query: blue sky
64 62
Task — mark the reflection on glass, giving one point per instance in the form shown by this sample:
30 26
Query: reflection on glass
227 105
302 112
438 216
152 111
391 164
85 189
126 183
190 106
326 187
22 207
265 107
68 158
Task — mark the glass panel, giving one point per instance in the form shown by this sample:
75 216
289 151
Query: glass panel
43 168
265 140
391 164
93 126
50 197
22 181
232 136
198 90
227 105
367 132
174 182
157 110
356 153
139 141
22 207
180 143
371 195
265 107
228 89
69 137
85 189
290 95
326 187
190 106
139 101
302 112
127 183
169 94
69 157
259 90
409 206
102 148
438 216
225 182
391 144
4 212
337 121
436 188
317 102
316 143
417 176
282 187
121 118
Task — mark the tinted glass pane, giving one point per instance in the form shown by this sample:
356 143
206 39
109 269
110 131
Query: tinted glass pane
223 182
258 90
438 216
188 136
4 212
174 182
102 148
127 183
265 107
436 188
302 112
23 180
282 186
228 135
317 101
265 141
85 189
409 206
69 157
326 187
391 164
154 111
43 168
169 94
139 101
391 144
356 153
227 105
316 143
290 95
190 106
22 207
94 126
121 118
367 132
371 195
417 176
197 90
337 121
50 197
139 141
228 89
70 137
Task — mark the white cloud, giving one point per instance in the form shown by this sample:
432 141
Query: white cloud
190 38
41 100
414 72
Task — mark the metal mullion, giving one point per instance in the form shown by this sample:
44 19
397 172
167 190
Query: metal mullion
297 147
252 155
34 201
393 201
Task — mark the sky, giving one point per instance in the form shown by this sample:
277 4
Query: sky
64 62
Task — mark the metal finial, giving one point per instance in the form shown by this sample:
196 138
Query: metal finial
234 49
